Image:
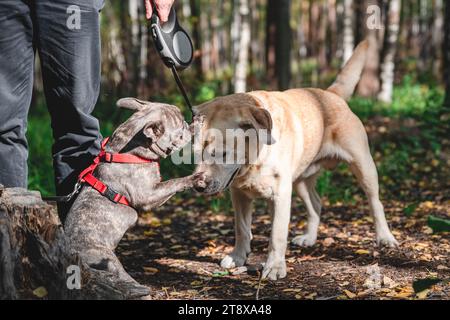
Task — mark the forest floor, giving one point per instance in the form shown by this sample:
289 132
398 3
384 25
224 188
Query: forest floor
176 250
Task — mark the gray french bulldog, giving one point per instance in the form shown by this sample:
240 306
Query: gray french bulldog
95 225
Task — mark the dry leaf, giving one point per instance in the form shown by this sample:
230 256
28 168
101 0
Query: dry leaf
40 292
423 294
311 296
362 251
349 294
388 282
328 242
150 270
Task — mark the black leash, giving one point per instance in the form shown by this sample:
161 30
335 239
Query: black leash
65 198
181 87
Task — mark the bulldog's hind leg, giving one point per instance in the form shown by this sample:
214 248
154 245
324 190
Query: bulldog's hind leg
243 230
306 189
103 259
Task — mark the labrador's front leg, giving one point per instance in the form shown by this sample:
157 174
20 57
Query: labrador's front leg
163 191
275 267
243 230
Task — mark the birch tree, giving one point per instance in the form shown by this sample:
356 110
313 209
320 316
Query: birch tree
242 28
349 36
390 49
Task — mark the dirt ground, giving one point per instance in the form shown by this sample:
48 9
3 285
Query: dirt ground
176 251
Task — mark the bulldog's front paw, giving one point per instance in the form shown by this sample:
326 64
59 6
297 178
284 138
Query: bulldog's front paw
199 180
274 269
233 260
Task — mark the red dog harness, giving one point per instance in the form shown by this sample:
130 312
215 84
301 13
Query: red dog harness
86 176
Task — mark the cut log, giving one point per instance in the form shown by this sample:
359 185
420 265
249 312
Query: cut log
34 255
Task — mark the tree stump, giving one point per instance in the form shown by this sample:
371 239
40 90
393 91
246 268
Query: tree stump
34 254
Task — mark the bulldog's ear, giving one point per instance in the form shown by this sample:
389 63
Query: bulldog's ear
132 104
260 119
154 130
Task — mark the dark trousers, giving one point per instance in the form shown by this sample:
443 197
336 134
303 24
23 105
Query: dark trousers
70 59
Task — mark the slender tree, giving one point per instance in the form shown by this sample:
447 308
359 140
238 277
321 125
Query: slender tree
447 53
240 74
283 48
390 49
369 86
437 36
349 36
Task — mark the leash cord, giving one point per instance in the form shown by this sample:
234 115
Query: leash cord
181 87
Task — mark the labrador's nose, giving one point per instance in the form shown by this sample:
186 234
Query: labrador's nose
200 189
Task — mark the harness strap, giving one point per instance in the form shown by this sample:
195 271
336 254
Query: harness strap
86 176
104 190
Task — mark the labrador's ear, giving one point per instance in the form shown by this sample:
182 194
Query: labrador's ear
132 104
260 119
154 130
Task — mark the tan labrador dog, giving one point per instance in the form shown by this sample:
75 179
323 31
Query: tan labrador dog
311 129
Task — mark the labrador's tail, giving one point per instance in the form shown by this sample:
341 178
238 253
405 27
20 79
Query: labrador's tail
348 78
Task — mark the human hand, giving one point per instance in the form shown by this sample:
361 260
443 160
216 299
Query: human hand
162 7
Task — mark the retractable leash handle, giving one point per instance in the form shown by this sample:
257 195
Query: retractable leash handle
174 47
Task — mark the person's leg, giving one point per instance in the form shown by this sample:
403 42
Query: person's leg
16 86
68 41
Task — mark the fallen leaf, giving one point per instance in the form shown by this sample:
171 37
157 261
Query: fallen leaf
149 233
389 283
221 273
438 224
362 251
292 290
423 284
349 294
311 296
328 242
150 270
238 271
40 292
196 283
422 294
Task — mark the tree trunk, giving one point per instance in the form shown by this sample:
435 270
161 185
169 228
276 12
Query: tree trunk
196 38
447 54
437 37
240 74
271 39
369 85
349 36
322 41
34 255
283 44
390 49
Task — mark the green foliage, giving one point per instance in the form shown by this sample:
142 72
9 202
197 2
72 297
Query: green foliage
424 284
438 224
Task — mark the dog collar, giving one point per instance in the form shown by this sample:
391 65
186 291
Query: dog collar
87 176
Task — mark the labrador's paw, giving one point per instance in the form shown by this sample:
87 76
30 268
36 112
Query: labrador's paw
233 260
274 269
306 240
387 239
